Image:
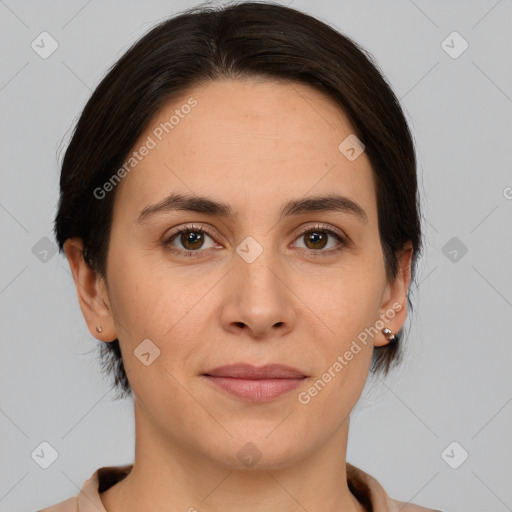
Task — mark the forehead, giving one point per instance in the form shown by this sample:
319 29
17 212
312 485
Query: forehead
250 143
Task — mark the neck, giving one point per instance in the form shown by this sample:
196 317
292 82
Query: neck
168 476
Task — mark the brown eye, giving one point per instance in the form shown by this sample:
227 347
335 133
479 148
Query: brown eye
315 239
192 239
189 241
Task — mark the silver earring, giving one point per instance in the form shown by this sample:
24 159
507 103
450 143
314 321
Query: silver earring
98 328
389 335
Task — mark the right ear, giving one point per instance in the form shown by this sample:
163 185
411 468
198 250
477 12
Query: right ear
92 292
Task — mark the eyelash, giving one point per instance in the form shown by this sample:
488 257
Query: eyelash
343 242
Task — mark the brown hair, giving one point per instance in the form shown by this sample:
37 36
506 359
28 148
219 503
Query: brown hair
250 39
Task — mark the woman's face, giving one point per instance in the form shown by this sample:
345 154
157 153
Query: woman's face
253 289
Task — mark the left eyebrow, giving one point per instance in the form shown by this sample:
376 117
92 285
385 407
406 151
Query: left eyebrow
202 204
329 203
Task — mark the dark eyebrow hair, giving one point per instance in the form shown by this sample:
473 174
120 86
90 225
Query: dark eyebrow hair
201 204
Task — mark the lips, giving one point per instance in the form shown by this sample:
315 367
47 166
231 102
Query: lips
253 383
247 371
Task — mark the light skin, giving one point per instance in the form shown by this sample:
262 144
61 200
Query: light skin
253 145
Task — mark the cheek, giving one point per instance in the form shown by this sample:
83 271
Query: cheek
344 350
145 300
348 308
345 300
151 303
147 307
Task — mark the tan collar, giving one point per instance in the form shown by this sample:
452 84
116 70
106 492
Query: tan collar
364 487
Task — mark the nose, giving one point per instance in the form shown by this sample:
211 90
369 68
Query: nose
259 300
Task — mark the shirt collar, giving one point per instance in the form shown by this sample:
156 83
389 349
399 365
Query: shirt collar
102 479
364 487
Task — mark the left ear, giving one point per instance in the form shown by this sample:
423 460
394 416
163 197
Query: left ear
393 310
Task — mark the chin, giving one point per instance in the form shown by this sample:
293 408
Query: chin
258 453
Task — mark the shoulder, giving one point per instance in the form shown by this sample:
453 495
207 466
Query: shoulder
101 480
403 506
70 505
411 507
372 495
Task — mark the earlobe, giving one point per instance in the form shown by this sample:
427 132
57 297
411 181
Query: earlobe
92 293
394 309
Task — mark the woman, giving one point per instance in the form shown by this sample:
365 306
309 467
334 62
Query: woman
239 211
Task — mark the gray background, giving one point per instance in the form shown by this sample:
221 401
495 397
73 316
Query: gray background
455 383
